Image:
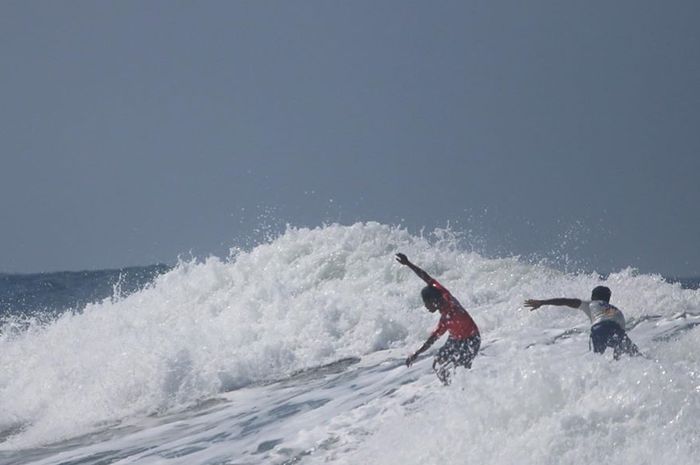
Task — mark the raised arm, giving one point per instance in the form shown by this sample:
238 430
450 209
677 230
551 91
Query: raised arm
534 304
403 259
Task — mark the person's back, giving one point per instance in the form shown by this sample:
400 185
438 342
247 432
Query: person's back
453 317
600 310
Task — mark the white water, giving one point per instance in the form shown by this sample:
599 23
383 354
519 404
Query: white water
135 372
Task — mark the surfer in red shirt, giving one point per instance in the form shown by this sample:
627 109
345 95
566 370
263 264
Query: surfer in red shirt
464 340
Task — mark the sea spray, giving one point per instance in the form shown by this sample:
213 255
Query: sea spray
313 296
307 298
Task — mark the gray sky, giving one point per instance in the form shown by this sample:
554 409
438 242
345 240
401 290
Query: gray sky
132 131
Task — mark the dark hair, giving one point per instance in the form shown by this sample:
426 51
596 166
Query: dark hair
601 293
430 294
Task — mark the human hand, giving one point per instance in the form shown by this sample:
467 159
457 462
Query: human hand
533 304
411 359
401 258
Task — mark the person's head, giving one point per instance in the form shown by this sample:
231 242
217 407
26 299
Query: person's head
432 298
601 293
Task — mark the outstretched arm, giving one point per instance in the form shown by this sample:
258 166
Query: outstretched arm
534 304
431 340
403 259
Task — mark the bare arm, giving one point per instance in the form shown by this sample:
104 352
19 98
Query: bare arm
431 340
534 304
403 259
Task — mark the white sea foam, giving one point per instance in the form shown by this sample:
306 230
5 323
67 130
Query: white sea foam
313 296
307 298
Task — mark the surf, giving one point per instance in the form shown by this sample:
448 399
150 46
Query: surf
245 328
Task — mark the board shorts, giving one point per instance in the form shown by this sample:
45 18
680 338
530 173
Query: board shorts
609 334
460 352
455 353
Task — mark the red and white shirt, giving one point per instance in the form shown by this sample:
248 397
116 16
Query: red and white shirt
453 317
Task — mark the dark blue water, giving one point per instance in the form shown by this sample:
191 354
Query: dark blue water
53 293
687 283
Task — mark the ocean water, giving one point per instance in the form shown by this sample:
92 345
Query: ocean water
49 294
293 353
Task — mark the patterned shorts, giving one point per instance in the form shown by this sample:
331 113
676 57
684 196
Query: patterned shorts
461 352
